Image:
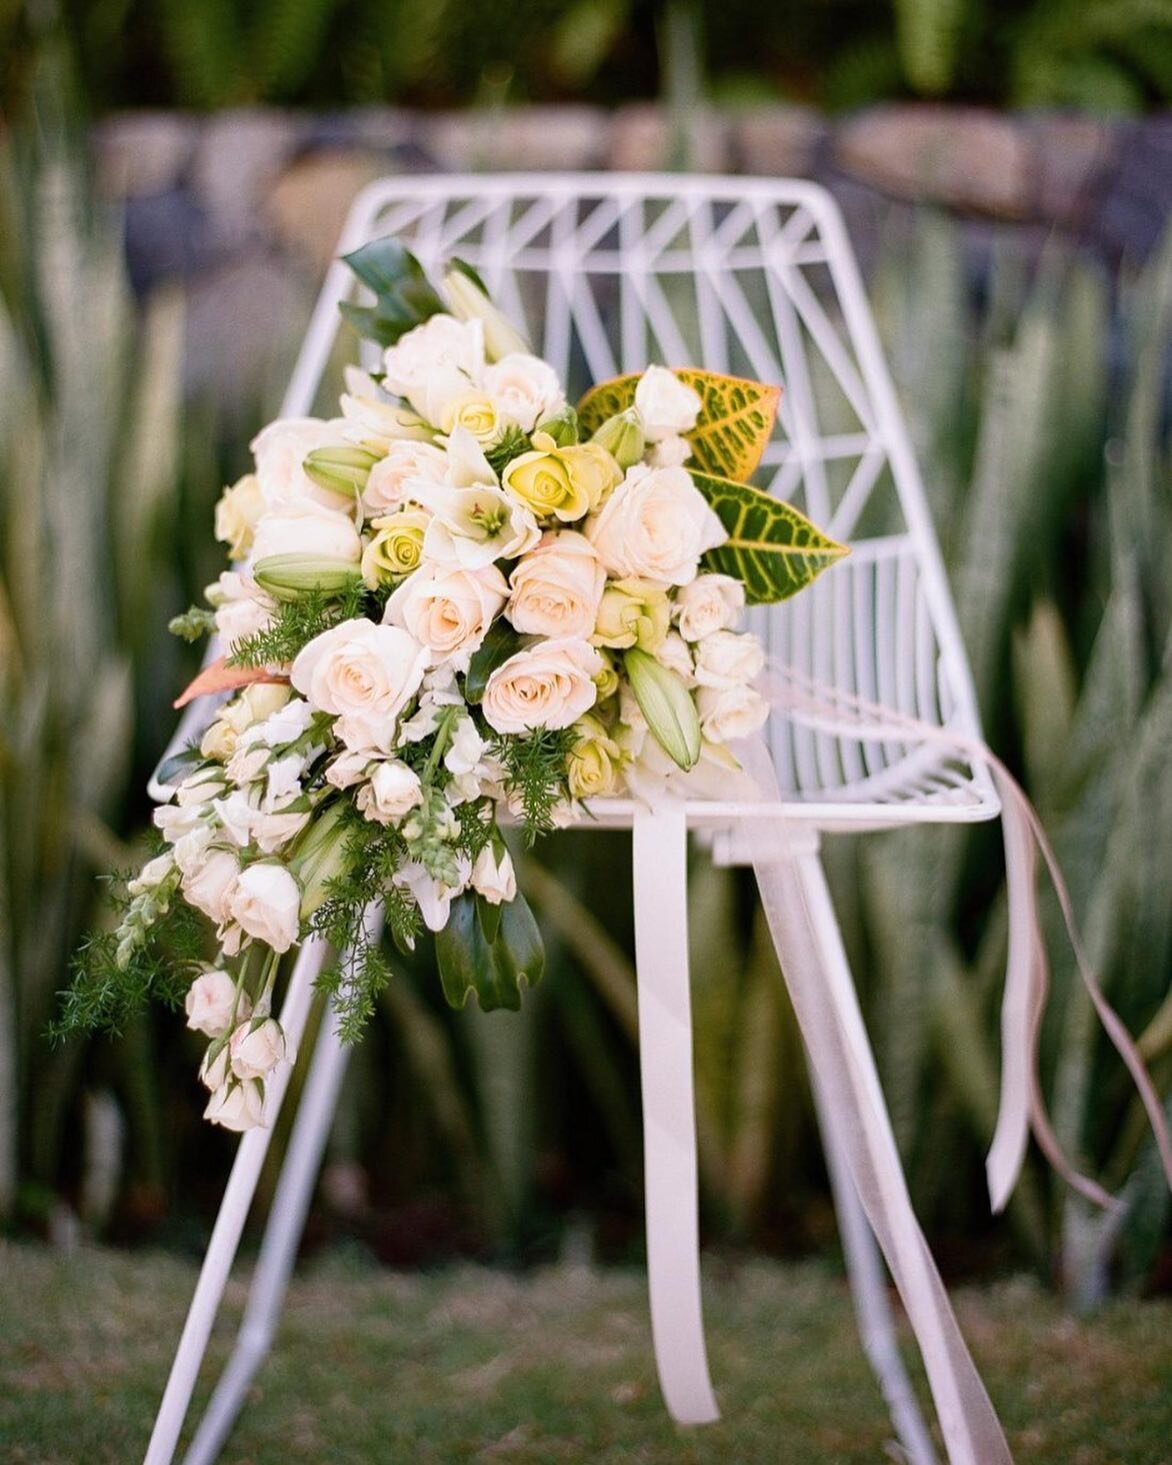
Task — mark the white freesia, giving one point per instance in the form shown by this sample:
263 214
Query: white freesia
548 685
728 713
432 896
211 1004
254 704
494 878
242 608
236 814
237 1105
364 675
448 610
667 406
247 762
255 1050
200 787
210 885
173 821
710 603
287 723
465 748
393 791
655 526
524 389
266 904
281 450
307 528
557 587
390 480
728 659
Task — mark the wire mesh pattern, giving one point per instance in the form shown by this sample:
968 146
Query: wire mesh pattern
754 278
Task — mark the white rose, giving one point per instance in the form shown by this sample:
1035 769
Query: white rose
211 885
669 452
307 528
557 587
393 790
495 879
364 675
242 607
281 449
350 767
213 1072
710 603
211 1004
441 349
390 479
448 610
255 1051
271 832
676 655
266 903
372 419
666 405
728 713
548 685
237 513
237 1106
524 389
173 821
255 703
728 659
655 526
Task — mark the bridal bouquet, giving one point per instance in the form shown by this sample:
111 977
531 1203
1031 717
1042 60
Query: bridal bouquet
461 602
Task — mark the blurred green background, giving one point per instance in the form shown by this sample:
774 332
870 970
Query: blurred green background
1035 376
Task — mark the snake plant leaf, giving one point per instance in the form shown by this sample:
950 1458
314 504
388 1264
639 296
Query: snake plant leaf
404 297
771 547
469 963
735 422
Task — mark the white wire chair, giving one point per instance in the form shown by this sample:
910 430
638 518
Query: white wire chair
756 278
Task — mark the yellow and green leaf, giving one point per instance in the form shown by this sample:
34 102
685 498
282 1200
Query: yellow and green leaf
735 422
774 550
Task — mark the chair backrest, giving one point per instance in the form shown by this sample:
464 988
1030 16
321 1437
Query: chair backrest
753 277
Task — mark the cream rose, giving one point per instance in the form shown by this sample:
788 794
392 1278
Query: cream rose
237 513
493 878
727 713
388 485
632 613
728 659
307 528
548 685
364 675
448 610
211 1004
557 587
393 791
710 603
242 607
237 1105
666 405
594 761
211 884
267 904
396 549
255 1050
441 346
655 526
524 389
281 450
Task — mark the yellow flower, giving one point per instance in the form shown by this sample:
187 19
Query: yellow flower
561 483
237 513
632 613
593 763
474 412
607 680
396 549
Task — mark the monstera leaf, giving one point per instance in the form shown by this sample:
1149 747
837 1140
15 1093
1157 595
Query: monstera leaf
771 547
734 425
489 951
404 297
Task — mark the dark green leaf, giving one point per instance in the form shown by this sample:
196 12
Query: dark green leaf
404 297
496 648
490 917
469 963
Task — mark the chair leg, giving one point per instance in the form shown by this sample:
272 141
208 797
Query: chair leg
873 1314
234 1209
278 1250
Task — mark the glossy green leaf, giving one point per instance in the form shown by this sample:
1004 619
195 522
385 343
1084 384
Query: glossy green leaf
470 964
774 550
501 642
404 296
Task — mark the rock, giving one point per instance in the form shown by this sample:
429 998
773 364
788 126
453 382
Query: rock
532 138
244 322
240 154
143 152
961 157
1072 154
778 142
645 138
307 205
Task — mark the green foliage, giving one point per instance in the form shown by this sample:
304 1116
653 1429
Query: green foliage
403 295
501 642
511 444
488 952
535 772
296 622
194 624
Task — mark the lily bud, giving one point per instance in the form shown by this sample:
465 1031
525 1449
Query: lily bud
320 858
289 576
342 471
467 301
563 427
622 437
667 705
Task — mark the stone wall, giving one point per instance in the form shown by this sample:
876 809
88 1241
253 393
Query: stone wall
245 207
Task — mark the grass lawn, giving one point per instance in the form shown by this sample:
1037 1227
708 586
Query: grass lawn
471 1364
